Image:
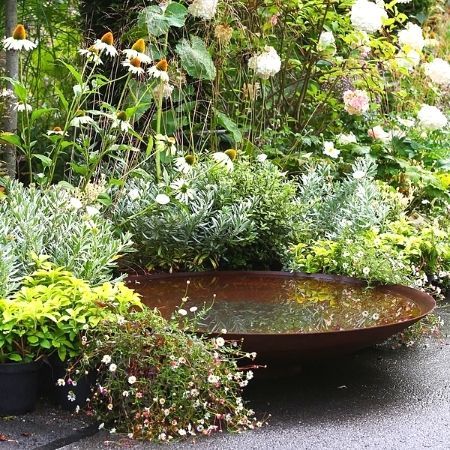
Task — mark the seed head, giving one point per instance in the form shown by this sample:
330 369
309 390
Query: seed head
19 32
162 65
139 46
108 38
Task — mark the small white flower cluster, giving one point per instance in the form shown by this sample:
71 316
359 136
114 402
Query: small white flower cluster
411 37
265 64
431 118
367 16
203 9
438 71
330 150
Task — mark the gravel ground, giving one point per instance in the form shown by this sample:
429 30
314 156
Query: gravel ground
375 399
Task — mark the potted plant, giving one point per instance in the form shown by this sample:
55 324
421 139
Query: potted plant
48 316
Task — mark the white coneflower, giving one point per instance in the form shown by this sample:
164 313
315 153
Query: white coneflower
18 41
166 144
159 71
183 192
105 44
223 160
55 130
81 119
91 54
120 121
21 107
134 66
265 64
137 50
184 163
203 9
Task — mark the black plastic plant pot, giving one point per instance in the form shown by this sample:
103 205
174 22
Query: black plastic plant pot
18 387
69 396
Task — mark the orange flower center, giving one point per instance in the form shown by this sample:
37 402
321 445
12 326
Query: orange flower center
162 65
122 115
136 62
19 33
57 129
190 159
139 46
108 38
231 153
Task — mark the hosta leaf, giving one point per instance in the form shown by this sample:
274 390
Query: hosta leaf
196 59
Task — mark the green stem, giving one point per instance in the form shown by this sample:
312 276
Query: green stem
158 131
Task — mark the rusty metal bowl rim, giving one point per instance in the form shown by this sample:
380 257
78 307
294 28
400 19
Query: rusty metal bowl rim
425 301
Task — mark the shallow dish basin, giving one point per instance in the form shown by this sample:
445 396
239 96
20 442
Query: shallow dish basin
287 316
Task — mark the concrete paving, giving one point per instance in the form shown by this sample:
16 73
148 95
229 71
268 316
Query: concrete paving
375 399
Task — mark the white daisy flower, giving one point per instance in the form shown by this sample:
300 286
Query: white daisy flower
132 379
183 192
81 119
223 160
21 107
91 54
120 121
138 51
18 41
184 163
105 44
55 130
134 66
159 71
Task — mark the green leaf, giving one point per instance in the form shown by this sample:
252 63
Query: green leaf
74 72
158 21
15 357
46 161
196 59
229 125
36 114
10 138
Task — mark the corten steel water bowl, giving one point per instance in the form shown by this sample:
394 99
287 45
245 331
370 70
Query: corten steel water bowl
260 292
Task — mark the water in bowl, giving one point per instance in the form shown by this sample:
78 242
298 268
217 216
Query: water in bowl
275 305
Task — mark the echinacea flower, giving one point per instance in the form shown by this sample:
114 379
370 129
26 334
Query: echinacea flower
18 41
105 44
159 71
165 143
223 160
183 192
137 50
91 54
55 130
21 107
184 163
265 64
203 9
120 121
81 119
134 65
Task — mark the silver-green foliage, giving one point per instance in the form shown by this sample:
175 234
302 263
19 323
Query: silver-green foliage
330 207
43 222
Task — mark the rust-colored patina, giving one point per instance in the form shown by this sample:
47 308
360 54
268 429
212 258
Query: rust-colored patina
165 291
